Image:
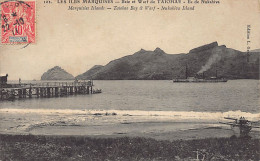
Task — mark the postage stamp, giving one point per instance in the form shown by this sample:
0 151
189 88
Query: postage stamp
18 22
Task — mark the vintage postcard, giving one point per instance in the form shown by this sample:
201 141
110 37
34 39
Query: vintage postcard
130 80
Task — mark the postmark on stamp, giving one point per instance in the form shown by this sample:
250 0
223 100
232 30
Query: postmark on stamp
18 22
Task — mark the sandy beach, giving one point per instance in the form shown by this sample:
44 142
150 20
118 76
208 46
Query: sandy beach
113 123
26 134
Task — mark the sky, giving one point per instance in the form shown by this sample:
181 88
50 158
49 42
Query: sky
78 40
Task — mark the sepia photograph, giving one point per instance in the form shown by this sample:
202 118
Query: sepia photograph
130 80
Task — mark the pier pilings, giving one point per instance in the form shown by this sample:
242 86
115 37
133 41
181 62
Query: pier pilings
45 90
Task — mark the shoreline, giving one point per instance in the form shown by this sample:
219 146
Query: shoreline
148 124
143 130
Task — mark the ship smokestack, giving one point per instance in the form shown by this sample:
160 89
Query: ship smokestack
216 70
186 72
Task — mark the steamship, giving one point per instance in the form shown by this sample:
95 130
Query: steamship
200 78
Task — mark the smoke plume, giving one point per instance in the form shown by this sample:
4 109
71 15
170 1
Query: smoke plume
213 59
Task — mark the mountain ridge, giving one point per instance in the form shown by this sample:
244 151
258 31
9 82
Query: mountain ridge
157 64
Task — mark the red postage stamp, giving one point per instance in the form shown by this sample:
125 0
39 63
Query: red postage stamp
18 22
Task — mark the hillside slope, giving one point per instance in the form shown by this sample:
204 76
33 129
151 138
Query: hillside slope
57 73
88 74
157 64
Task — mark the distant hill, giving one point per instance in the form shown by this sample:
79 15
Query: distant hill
90 73
57 73
157 64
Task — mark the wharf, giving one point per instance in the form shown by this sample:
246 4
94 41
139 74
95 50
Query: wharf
45 90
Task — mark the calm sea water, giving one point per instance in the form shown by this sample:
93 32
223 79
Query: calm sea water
149 95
